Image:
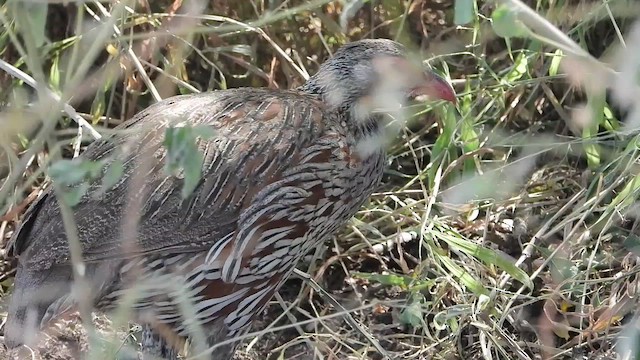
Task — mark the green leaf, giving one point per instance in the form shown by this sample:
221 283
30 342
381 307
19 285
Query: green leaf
74 175
520 68
558 55
183 157
68 172
444 150
596 103
72 195
468 133
99 104
464 12
506 24
113 174
619 205
465 278
489 257
54 74
412 314
192 173
385 279
610 122
561 270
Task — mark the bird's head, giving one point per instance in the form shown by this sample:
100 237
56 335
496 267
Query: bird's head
373 74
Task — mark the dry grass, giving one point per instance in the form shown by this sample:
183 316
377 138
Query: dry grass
505 229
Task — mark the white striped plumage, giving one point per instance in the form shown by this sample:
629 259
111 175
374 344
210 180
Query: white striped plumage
270 257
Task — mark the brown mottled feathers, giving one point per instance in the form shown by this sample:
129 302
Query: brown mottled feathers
259 134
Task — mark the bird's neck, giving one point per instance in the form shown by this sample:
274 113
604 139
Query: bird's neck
359 118
371 137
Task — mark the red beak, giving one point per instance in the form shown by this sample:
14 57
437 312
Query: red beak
434 87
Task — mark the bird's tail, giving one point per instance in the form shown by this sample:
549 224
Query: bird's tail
37 298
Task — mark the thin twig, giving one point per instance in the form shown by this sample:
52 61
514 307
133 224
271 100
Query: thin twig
27 79
132 56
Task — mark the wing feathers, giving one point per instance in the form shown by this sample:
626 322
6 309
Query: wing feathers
259 136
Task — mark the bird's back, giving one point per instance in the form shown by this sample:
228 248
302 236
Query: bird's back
245 124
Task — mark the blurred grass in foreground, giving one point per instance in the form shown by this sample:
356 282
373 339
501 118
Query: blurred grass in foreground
505 229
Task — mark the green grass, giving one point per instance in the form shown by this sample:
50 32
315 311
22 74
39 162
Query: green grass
505 229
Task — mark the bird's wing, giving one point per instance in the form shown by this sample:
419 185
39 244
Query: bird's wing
258 136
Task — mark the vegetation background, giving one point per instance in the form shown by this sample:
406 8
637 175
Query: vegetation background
505 229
